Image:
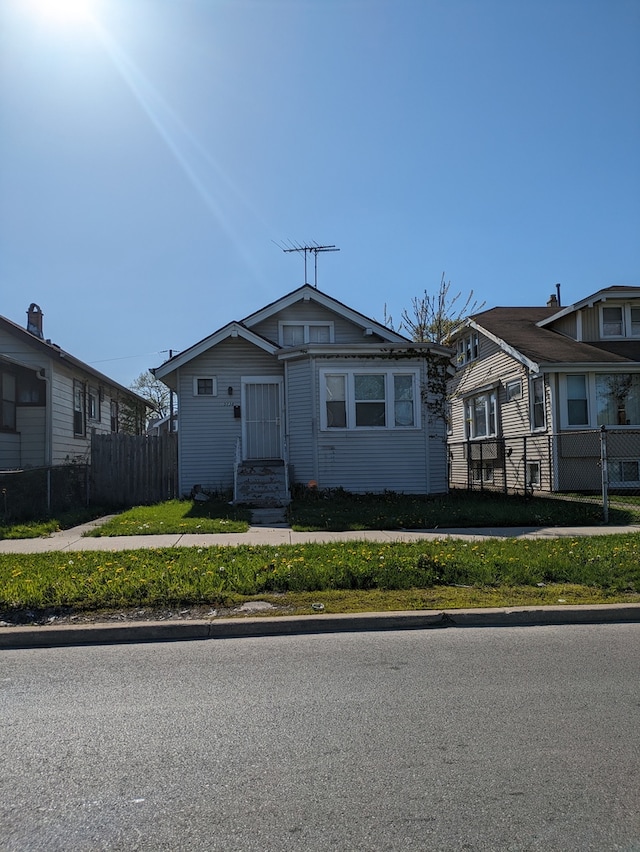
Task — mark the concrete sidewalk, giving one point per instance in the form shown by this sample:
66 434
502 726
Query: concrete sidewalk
73 540
37 636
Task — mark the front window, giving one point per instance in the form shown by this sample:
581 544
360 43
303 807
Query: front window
114 416
480 412
369 400
538 419
577 404
79 399
618 399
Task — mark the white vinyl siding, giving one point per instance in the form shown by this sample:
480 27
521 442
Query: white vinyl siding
208 428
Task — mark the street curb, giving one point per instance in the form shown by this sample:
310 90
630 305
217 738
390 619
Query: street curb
46 636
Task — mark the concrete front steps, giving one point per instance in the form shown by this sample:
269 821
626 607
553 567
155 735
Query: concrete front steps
262 484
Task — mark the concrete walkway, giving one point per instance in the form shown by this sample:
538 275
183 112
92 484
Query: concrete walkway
72 540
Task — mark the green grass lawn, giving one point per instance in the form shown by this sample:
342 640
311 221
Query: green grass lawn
44 527
446 573
177 516
339 510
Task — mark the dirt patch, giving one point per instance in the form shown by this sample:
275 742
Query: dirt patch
62 615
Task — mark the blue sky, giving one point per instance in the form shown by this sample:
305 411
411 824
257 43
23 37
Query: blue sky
154 156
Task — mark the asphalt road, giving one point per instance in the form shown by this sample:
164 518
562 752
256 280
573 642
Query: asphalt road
465 739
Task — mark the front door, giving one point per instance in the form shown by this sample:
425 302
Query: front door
262 417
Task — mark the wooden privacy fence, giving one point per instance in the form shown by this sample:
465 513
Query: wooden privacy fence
127 470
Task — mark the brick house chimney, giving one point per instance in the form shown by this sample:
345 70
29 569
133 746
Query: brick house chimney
553 301
34 320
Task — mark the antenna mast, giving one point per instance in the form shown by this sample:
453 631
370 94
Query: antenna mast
314 249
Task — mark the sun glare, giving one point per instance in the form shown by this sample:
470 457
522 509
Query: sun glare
63 12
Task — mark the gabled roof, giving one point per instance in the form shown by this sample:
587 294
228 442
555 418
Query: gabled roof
243 328
58 355
232 329
617 293
309 293
520 331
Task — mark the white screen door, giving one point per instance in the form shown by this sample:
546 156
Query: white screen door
261 419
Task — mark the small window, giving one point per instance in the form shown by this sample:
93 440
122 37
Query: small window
612 322
533 474
79 410
468 349
297 334
8 392
538 418
114 416
482 472
624 472
635 322
205 386
514 390
93 404
577 407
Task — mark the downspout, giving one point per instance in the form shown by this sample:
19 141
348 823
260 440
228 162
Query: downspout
48 419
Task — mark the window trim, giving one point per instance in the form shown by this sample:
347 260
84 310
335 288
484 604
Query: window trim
469 414
532 403
626 320
349 374
513 383
214 386
624 483
79 413
467 349
93 411
306 325
591 400
529 481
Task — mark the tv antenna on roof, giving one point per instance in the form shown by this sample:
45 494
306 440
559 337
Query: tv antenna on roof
314 249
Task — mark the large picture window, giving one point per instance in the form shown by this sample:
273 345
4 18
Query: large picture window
369 400
618 399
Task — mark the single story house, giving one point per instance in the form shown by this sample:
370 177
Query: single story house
308 391
532 387
52 402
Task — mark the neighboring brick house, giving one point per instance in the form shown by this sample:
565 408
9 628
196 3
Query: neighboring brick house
530 381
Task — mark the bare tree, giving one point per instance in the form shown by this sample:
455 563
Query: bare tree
154 391
434 316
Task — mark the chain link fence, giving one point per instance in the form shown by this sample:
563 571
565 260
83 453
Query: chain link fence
600 465
40 492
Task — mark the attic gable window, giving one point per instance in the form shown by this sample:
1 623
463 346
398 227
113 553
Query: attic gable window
297 334
619 321
467 349
205 386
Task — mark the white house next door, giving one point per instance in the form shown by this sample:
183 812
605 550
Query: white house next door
262 418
